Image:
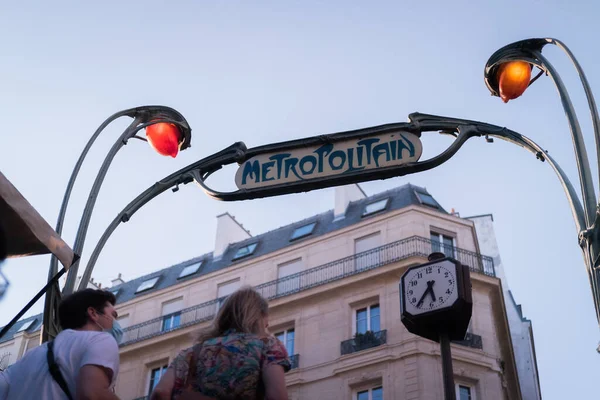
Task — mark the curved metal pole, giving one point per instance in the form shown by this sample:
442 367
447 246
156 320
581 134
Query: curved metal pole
589 236
588 93
420 122
130 132
583 164
65 203
124 216
594 250
530 51
572 197
89 205
319 183
183 176
53 295
132 112
576 210
149 115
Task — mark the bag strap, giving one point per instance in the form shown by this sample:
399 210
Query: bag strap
55 370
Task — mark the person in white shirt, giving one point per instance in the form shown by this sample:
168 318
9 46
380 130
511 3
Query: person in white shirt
86 352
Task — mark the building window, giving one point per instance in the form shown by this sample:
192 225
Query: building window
26 326
464 392
364 257
370 394
171 321
375 207
287 337
190 270
147 284
443 244
285 270
303 231
155 376
171 312
245 251
225 289
427 199
367 319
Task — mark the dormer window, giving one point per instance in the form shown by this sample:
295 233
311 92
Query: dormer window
245 251
375 207
303 231
427 199
190 270
26 326
147 284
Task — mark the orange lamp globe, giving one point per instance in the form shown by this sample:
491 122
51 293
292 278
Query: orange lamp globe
164 138
513 79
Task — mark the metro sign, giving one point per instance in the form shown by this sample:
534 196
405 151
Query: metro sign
328 160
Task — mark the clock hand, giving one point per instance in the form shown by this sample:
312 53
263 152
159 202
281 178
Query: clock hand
423 297
425 293
431 290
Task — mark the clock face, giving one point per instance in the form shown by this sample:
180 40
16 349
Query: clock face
430 288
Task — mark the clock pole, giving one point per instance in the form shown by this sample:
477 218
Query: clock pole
448 315
447 372
446 352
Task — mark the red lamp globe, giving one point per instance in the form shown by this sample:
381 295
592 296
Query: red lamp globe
513 79
164 138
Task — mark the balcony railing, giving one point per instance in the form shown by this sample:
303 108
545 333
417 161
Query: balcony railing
154 327
363 342
414 246
295 360
471 340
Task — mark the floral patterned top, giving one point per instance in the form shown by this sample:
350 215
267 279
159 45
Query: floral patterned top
228 367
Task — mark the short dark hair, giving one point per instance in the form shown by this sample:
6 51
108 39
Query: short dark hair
72 311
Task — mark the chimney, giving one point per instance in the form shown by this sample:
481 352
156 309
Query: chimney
117 281
228 231
91 284
343 196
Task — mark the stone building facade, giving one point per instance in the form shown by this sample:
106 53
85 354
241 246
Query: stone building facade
330 279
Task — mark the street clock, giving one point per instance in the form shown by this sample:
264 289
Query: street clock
435 298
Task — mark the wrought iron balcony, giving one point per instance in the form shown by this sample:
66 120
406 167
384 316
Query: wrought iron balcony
295 360
363 341
471 340
414 246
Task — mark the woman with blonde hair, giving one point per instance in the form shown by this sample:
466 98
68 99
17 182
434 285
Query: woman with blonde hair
235 358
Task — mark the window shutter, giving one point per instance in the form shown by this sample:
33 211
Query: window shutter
289 268
172 306
225 289
367 243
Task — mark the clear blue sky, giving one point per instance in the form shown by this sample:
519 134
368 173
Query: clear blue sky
269 72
